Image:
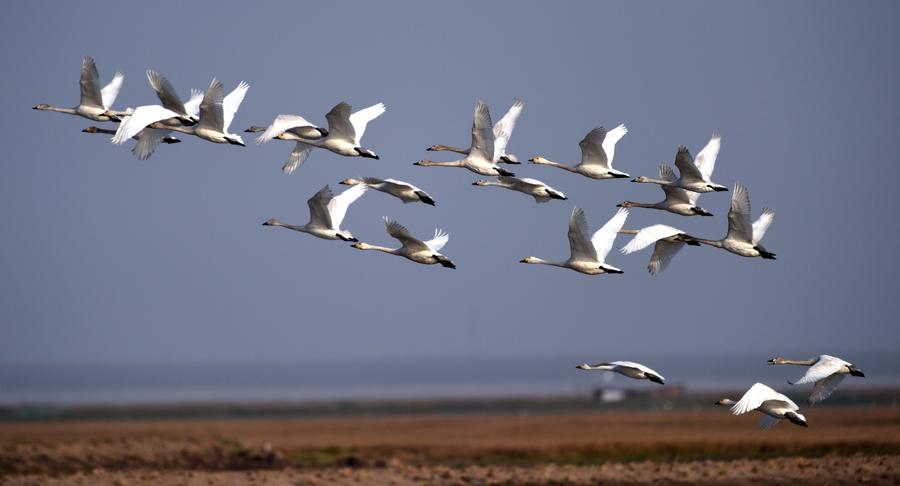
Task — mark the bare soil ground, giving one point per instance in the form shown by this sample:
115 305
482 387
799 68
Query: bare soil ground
842 445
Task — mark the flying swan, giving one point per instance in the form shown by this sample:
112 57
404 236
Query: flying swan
597 151
326 213
827 372
95 104
403 191
695 174
769 402
627 368
540 191
588 256
424 252
502 132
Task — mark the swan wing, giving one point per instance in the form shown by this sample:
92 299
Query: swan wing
482 133
503 129
580 247
192 105
318 207
90 84
212 115
110 92
440 239
739 227
166 92
139 119
649 235
663 253
754 398
767 422
824 367
592 152
231 103
147 141
675 194
685 163
706 159
297 157
637 366
605 236
825 387
281 124
360 120
761 225
399 232
609 143
338 205
339 126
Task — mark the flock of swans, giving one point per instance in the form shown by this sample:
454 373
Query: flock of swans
208 115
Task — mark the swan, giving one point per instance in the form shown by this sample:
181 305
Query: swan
95 104
292 128
404 191
216 112
597 151
538 190
694 174
627 368
326 213
827 372
678 201
743 238
769 402
482 156
502 132
147 140
424 252
588 256
669 241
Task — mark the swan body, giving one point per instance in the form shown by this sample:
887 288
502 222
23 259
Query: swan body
95 103
668 242
403 191
627 368
678 200
326 213
769 402
538 190
345 130
588 256
291 128
827 372
414 249
743 238
597 152
694 174
483 154
502 132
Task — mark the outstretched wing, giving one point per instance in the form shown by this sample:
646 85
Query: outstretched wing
649 235
823 368
739 227
482 133
147 142
592 152
706 159
675 194
165 92
90 84
399 232
360 120
580 247
503 129
192 106
231 103
338 205
318 207
663 253
761 225
685 164
753 398
825 387
138 120
110 92
212 115
297 157
605 236
609 143
440 239
281 124
767 422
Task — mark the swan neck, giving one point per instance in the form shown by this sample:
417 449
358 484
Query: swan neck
431 163
640 204
801 362
715 243
378 248
69 111
555 164
450 148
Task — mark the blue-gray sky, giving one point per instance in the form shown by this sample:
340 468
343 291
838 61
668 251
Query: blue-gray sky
108 259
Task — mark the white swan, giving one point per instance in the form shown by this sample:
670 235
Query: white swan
502 132
678 200
769 402
95 104
743 238
424 252
404 191
588 256
147 140
483 153
627 368
668 240
597 151
538 190
326 213
216 113
291 128
827 372
694 174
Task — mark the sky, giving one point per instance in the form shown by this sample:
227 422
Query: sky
107 259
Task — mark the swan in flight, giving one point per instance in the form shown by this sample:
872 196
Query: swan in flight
743 238
695 174
678 201
404 191
588 256
147 140
424 252
827 372
345 131
502 132
483 155
96 104
597 151
627 368
668 240
538 190
326 213
769 402
216 113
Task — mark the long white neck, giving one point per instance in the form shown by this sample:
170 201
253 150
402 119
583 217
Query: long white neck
300 228
543 161
632 204
449 148
69 111
539 261
102 130
801 362
191 130
647 180
494 183
599 367
379 248
431 163
715 243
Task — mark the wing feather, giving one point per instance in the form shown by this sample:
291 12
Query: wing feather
231 103
482 133
739 227
592 152
609 143
281 124
605 236
110 92
338 205
706 159
166 92
580 247
440 239
503 129
399 232
649 235
138 120
360 120
212 115
297 157
90 84
761 225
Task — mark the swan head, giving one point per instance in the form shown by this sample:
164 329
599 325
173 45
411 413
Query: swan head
625 204
359 245
854 371
40 106
530 259
537 159
480 182
725 402
364 152
235 140
90 130
797 418
640 179
700 211
350 182
254 129
435 148
584 366
272 222
777 361
423 162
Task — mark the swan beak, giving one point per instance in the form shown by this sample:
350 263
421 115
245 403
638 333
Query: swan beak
266 223
633 180
619 206
323 131
720 189
524 260
429 149
418 163
531 160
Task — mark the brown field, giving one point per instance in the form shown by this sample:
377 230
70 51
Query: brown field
842 445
